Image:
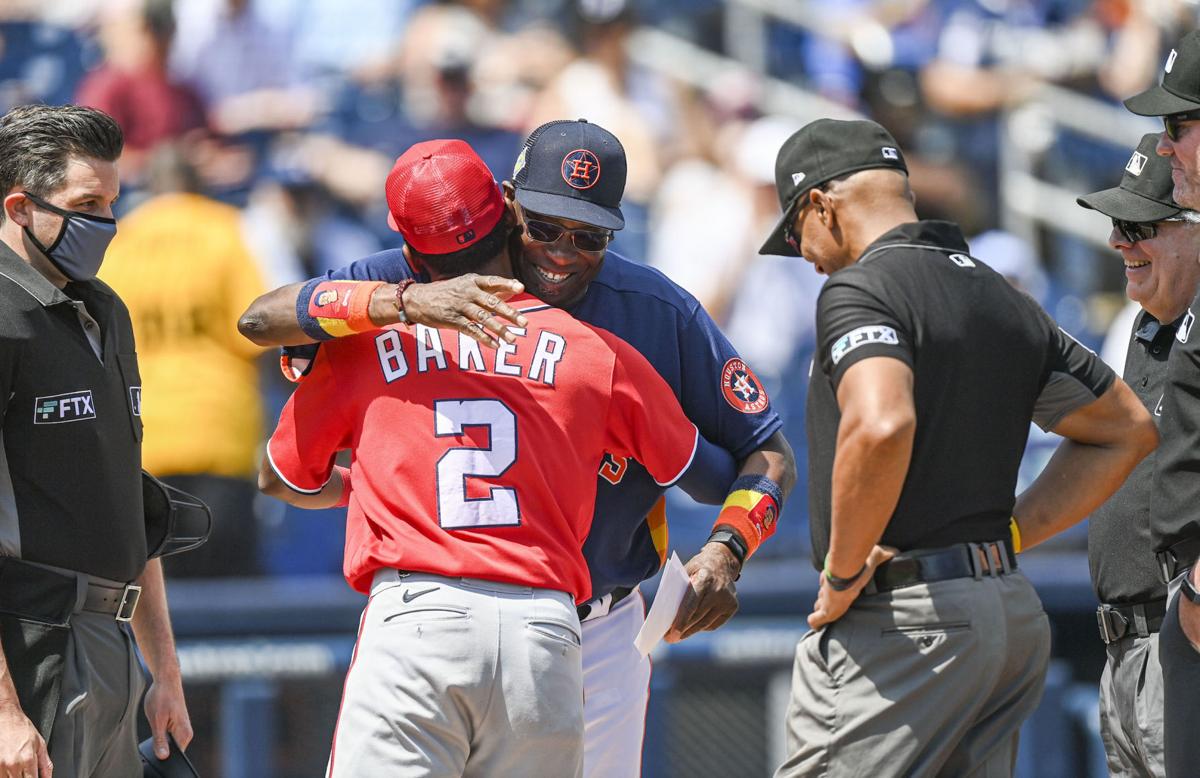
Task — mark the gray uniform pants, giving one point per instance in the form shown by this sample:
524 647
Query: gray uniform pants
928 680
95 728
1131 708
462 677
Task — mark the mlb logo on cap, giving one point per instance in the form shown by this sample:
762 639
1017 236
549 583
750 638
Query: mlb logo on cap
890 153
1136 163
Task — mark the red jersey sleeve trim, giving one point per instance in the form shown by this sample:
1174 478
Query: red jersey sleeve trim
686 465
292 486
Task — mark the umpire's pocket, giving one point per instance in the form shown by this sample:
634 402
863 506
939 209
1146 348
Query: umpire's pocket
558 631
926 637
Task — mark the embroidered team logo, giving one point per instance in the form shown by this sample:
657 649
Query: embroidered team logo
62 408
581 169
1136 163
769 516
1170 60
862 336
742 389
135 400
890 153
328 297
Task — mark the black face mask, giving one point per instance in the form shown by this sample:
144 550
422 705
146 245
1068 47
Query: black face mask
78 251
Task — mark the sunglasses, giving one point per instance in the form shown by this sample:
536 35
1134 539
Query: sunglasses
1133 232
1172 122
584 240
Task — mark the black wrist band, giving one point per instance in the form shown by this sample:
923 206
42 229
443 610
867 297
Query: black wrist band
842 584
730 540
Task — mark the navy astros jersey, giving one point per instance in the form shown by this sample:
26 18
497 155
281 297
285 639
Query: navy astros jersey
718 392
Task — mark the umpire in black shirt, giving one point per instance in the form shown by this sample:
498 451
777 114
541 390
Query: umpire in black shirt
73 545
1157 240
929 648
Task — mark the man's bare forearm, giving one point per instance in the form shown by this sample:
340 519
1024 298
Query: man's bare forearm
271 319
774 460
152 624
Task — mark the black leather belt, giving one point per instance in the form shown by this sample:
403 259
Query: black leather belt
1177 558
120 602
1142 619
965 560
597 607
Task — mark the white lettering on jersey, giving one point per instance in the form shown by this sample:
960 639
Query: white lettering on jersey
469 355
875 333
1185 327
550 348
391 355
429 346
505 350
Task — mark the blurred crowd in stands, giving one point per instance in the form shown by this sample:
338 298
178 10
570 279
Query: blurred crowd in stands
259 133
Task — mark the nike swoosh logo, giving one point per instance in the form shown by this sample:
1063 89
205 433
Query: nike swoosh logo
410 595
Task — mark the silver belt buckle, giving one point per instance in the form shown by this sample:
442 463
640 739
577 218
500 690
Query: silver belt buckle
130 597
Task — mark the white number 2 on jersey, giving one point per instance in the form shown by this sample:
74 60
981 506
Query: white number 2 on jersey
455 510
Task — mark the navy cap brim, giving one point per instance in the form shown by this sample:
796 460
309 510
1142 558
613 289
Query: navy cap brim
1158 101
1118 203
562 207
776 244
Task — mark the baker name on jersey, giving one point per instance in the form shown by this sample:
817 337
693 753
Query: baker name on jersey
399 355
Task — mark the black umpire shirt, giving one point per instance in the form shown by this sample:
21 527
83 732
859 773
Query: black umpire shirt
986 360
1119 541
70 459
1175 503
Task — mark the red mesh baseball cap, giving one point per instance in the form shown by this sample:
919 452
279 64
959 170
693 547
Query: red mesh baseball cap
441 197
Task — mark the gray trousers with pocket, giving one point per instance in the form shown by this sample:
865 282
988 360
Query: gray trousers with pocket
95 728
1131 708
462 677
1181 693
927 680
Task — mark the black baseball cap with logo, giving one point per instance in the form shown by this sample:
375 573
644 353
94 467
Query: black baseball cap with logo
818 153
572 170
1179 90
1144 194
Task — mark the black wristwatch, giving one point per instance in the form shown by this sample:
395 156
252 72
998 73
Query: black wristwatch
1189 590
730 540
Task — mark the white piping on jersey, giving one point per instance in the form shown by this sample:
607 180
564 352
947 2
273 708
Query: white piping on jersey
908 246
684 469
288 483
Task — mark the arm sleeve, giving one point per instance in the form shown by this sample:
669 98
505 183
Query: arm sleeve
312 428
719 392
853 324
1074 376
710 475
645 420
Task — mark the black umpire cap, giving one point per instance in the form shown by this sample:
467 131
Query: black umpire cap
1144 194
572 170
177 765
1179 91
819 152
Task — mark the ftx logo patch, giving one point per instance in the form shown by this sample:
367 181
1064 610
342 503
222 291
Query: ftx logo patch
878 333
1136 163
61 408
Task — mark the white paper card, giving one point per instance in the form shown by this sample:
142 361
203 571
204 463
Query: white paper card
671 589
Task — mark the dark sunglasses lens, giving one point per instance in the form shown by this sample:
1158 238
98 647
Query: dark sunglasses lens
1135 231
543 232
1171 127
587 240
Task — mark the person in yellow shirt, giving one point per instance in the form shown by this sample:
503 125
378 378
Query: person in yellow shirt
180 262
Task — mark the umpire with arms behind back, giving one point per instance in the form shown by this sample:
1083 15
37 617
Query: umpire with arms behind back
73 543
929 647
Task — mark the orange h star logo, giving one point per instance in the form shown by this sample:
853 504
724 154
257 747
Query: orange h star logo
581 168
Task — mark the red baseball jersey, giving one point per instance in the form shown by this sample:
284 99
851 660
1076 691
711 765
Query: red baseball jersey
478 463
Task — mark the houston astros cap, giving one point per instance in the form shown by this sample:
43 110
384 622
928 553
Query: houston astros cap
1179 90
1144 194
819 152
572 170
442 197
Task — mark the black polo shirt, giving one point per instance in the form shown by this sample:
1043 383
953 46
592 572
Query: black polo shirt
70 459
1175 505
1119 540
986 359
